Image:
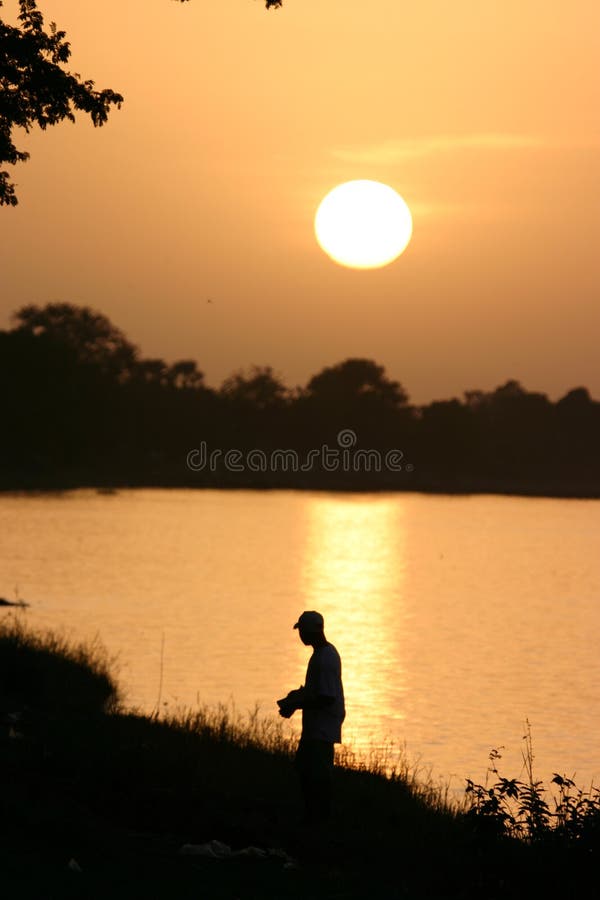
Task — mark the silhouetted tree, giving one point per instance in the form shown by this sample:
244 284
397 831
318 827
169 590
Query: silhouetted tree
56 409
184 375
355 393
268 3
152 372
577 400
257 390
513 430
446 442
577 439
253 408
37 89
91 336
475 399
356 380
510 404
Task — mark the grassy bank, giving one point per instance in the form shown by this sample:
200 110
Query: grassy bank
99 801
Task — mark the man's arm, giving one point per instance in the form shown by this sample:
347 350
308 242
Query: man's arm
316 701
302 699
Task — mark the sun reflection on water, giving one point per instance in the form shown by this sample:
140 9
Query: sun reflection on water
353 573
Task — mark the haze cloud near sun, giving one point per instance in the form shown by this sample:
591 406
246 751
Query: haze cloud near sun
392 151
236 124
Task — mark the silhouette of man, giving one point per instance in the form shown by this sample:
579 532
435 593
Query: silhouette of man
321 700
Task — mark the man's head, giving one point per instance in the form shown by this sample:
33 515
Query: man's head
310 627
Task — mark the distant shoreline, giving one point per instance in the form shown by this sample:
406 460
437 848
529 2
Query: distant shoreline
337 486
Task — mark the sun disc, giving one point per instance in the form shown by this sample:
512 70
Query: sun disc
363 224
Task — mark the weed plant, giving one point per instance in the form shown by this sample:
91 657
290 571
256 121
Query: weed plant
528 811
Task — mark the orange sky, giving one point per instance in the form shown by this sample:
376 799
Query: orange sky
236 122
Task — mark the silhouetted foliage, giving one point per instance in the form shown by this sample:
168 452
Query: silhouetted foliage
37 89
270 4
185 375
258 390
90 335
356 381
80 405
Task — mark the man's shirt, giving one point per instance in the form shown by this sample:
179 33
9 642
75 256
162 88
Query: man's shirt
324 677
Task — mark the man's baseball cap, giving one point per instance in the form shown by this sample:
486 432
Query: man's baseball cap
310 621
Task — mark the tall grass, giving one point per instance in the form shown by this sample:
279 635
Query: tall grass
225 723
47 670
387 762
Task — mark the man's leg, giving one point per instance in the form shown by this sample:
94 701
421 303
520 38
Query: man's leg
314 763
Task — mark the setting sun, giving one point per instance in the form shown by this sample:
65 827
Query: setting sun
363 224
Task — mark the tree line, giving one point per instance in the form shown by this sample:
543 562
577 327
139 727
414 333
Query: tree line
80 406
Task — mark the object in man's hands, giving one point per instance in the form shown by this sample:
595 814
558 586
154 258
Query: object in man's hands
288 705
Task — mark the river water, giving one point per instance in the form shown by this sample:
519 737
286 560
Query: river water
457 618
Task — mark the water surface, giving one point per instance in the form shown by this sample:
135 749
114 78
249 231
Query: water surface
457 618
